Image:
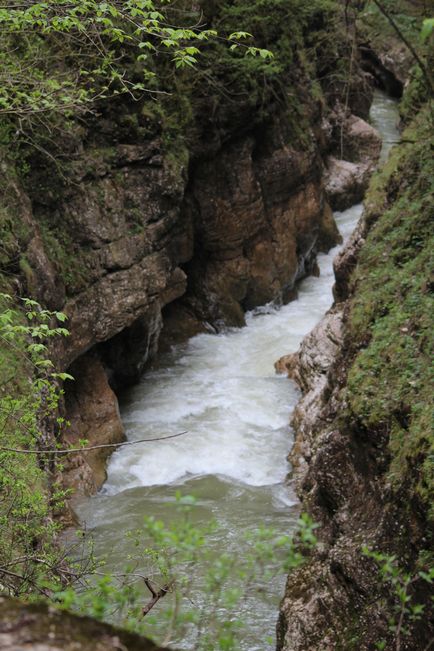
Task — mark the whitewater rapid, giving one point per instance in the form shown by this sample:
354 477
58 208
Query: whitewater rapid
222 390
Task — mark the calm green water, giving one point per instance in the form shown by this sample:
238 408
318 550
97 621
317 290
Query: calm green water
223 390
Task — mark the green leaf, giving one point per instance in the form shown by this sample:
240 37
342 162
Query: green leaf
63 376
427 28
238 36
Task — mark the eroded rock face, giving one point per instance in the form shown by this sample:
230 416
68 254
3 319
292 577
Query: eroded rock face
335 478
92 409
351 163
38 627
310 369
124 239
104 248
260 214
346 260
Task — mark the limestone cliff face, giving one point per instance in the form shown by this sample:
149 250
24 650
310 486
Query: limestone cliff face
115 236
260 214
103 247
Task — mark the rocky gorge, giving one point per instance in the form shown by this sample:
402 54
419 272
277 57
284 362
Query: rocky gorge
257 229
151 233
131 227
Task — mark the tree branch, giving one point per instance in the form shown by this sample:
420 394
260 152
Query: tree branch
156 595
93 447
426 73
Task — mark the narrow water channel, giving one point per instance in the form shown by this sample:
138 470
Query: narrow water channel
222 389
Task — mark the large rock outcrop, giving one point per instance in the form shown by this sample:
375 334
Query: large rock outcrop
43 628
96 420
352 160
116 236
260 214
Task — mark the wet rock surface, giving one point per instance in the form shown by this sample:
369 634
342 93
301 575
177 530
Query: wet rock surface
260 213
336 472
93 413
352 160
312 368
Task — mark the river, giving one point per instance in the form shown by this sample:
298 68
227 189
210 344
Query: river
223 391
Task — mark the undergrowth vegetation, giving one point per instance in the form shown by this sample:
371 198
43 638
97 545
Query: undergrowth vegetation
390 382
30 491
206 608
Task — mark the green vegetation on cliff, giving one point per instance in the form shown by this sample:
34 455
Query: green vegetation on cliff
30 491
387 400
390 382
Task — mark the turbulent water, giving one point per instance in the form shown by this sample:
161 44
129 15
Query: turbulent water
223 391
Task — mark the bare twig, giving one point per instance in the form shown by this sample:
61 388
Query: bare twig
93 447
425 71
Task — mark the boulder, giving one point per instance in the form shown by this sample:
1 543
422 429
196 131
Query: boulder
40 627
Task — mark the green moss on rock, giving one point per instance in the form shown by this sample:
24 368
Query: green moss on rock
389 387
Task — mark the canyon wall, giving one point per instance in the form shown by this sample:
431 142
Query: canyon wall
361 457
138 208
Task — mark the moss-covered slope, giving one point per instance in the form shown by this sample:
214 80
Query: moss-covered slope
364 457
390 381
